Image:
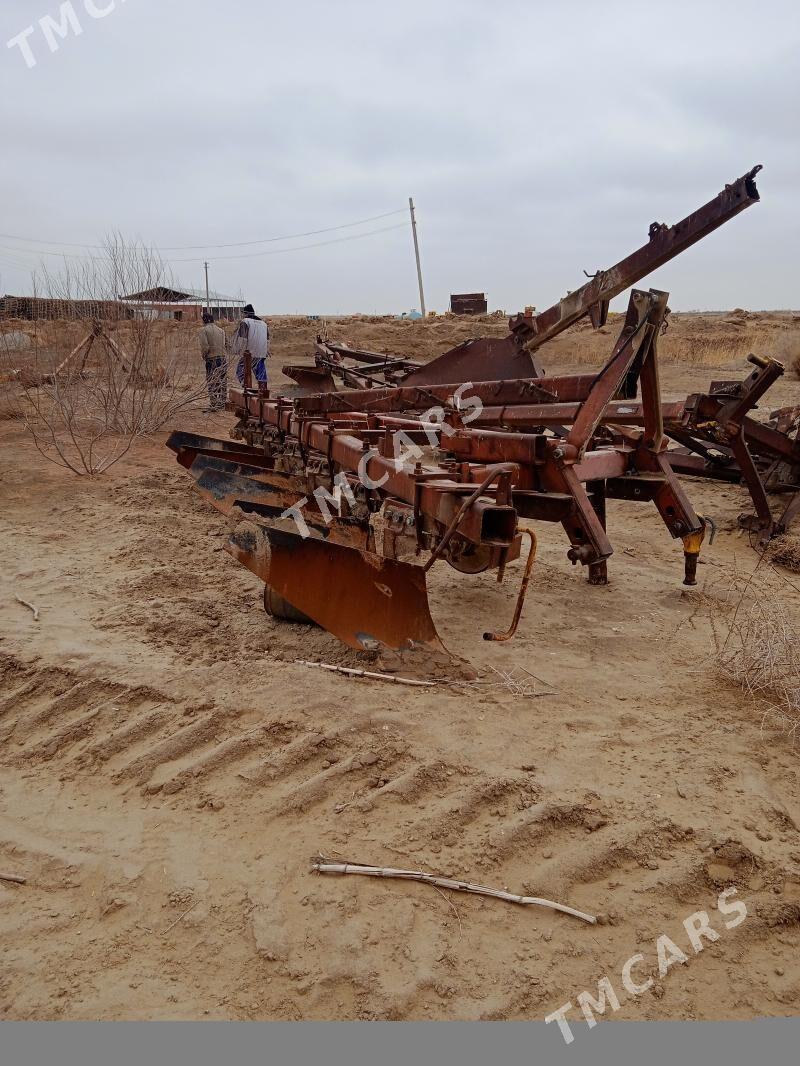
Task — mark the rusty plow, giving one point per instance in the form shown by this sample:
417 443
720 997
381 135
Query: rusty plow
377 459
317 572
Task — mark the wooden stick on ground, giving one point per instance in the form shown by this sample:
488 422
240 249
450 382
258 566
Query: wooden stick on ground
13 879
349 672
30 607
322 867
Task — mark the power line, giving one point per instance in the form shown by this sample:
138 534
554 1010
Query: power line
299 247
18 264
197 247
290 237
59 255
219 258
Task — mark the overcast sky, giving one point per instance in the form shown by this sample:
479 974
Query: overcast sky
537 139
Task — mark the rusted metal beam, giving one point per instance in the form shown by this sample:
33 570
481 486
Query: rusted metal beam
664 243
645 315
422 398
525 416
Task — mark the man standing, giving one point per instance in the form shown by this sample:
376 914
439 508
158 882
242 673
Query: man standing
212 345
252 336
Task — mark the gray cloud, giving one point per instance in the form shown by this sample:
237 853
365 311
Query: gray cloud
536 140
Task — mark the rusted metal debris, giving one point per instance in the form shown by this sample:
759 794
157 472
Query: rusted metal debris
356 369
343 527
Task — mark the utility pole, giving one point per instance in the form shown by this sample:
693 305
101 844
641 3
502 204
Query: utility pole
416 253
208 300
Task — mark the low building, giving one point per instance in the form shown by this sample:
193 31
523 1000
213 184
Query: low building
182 304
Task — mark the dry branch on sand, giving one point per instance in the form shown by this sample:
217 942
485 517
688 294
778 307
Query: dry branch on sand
30 606
13 879
322 866
367 674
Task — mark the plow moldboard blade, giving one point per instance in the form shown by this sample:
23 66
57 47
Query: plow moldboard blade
266 495
363 599
227 485
188 446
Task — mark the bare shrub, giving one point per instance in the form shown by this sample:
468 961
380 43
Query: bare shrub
785 551
90 389
757 644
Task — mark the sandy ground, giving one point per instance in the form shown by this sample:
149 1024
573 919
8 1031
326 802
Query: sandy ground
167 770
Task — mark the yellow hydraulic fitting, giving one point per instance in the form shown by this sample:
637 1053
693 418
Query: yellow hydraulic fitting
692 543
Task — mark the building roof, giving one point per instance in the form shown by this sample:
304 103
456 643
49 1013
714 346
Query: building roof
162 294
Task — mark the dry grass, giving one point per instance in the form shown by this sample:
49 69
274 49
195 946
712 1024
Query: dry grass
696 340
713 340
785 551
757 641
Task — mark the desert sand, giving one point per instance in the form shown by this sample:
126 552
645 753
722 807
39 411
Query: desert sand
168 769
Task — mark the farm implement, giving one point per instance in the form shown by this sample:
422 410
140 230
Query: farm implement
344 496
